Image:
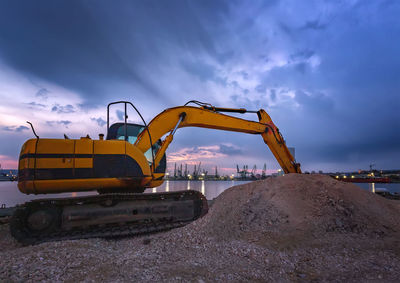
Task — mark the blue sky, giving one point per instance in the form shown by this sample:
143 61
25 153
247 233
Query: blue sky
328 73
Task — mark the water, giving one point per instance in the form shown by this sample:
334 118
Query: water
10 195
372 187
210 189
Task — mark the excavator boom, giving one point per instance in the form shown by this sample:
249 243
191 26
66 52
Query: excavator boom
171 119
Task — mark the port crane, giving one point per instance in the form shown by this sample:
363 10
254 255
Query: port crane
244 172
120 167
253 172
264 170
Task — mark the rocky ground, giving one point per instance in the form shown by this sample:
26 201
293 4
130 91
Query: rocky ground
290 228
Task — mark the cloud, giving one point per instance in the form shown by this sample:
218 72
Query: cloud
43 93
260 88
63 109
21 128
17 129
199 69
99 121
302 55
36 105
95 54
8 129
326 69
195 153
230 149
315 102
314 25
120 115
190 154
66 123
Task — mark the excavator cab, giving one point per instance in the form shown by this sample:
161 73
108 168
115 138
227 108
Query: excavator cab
117 132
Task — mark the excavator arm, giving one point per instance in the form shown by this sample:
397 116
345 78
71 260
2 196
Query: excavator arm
210 117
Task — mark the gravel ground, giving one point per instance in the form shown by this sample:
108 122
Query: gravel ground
290 228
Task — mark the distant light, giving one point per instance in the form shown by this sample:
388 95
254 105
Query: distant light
344 176
352 176
337 177
202 174
167 174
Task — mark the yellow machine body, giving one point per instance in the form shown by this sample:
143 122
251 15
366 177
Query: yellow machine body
132 157
69 165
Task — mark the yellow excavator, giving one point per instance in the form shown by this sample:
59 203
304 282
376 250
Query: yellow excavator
120 167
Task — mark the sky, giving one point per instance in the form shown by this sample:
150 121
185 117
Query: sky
327 72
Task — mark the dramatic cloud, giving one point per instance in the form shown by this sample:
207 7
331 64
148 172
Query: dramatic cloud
326 72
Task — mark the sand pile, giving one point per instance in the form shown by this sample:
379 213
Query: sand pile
290 228
296 208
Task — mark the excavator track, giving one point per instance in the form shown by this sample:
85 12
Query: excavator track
104 216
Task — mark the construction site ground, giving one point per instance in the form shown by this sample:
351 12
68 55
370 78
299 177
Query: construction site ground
289 228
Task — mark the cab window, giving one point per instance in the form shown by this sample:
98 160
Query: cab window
117 131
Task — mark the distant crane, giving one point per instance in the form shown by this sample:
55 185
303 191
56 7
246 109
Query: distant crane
180 171
253 172
196 171
263 173
242 173
246 171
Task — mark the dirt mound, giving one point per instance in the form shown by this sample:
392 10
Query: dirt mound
292 228
297 208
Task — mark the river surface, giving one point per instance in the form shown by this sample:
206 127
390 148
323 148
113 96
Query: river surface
10 195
